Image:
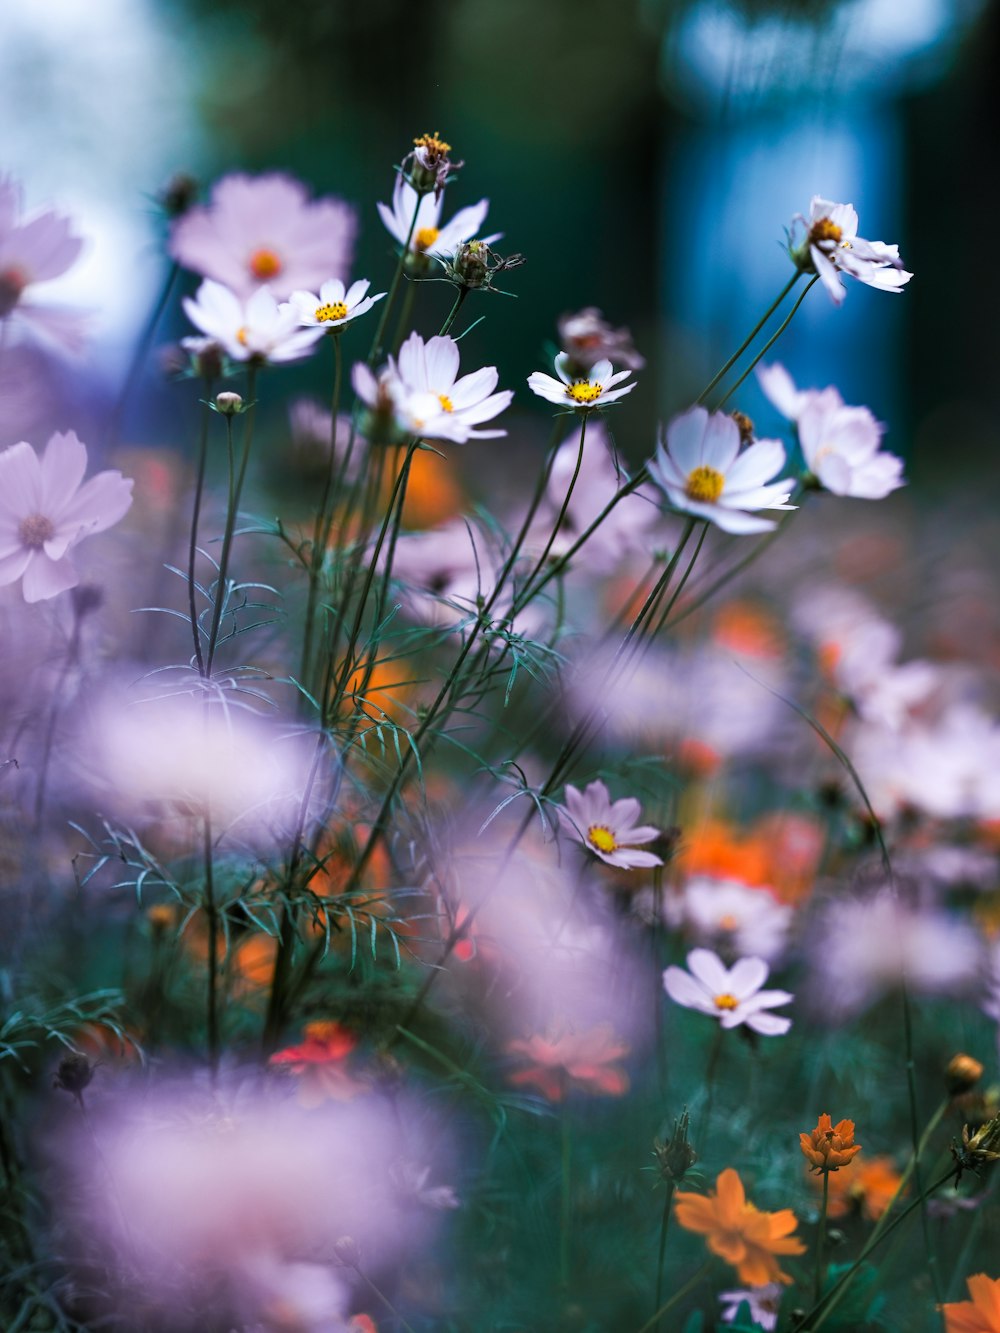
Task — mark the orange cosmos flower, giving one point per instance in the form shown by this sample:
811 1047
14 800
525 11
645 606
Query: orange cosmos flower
872 1186
560 1062
320 1064
981 1314
738 1232
829 1147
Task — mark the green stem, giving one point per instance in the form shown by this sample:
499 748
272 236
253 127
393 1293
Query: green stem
383 1298
678 1295
750 337
212 916
821 1239
390 300
141 350
565 1210
564 508
453 313
324 519
661 1253
199 491
770 342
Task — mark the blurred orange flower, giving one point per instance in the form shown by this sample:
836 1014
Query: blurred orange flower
320 1064
981 1314
828 1147
738 1232
872 1186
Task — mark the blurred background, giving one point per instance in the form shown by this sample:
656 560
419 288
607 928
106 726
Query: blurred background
645 155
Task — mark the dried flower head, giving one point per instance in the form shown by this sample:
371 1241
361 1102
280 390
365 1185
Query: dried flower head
977 1149
428 165
675 1155
828 1147
475 265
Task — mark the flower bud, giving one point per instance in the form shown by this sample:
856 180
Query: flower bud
228 403
346 1251
179 194
73 1074
962 1073
675 1156
470 264
828 1147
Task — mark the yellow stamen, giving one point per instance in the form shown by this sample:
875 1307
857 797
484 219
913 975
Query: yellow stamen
425 238
432 143
446 402
726 1001
241 336
265 264
602 838
583 391
705 484
825 230
333 310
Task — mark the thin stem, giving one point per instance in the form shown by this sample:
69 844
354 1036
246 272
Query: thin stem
565 1201
70 660
770 342
564 508
821 1239
140 353
750 336
661 1252
324 518
390 300
382 1297
678 1295
199 490
212 916
453 313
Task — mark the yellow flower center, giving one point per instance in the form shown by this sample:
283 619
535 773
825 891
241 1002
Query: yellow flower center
705 484
583 391
241 336
425 238
432 143
825 230
602 838
726 1001
335 310
728 922
446 403
34 531
265 264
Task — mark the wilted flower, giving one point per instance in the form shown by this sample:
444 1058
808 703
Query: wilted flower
46 509
336 305
429 236
475 265
265 229
700 467
580 392
978 1149
608 828
732 995
828 1147
981 1314
736 1231
256 329
764 1303
428 165
832 246
587 338
563 1062
74 1073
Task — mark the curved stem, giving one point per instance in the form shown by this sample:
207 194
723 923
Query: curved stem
770 342
324 519
661 1252
390 299
453 313
750 337
678 1295
199 490
140 353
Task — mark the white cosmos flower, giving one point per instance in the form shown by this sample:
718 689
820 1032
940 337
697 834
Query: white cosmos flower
336 305
429 397
255 329
702 471
430 236
732 995
725 912
832 246
764 1303
578 392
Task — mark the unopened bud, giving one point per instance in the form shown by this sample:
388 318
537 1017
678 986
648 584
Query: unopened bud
675 1155
86 597
178 195
346 1251
962 1073
74 1072
228 403
470 264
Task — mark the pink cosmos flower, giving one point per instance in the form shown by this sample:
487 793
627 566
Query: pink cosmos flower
578 390
588 338
732 995
256 328
832 246
430 236
35 249
608 828
261 229
726 912
764 1303
560 1062
46 508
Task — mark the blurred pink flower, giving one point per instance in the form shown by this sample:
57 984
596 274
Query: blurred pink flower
763 1301
588 338
561 1062
46 508
252 329
832 246
724 912
608 828
320 1064
266 229
33 250
732 995
700 467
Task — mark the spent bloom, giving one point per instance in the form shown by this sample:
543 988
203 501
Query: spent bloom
587 338
429 236
579 390
736 1231
700 467
265 229
841 445
428 165
828 1147
561 1062
46 509
764 1303
732 995
252 329
608 828
981 1314
832 246
335 305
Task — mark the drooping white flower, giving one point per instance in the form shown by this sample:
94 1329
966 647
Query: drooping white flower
255 329
608 828
732 995
832 246
335 305
700 467
46 508
577 391
430 236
